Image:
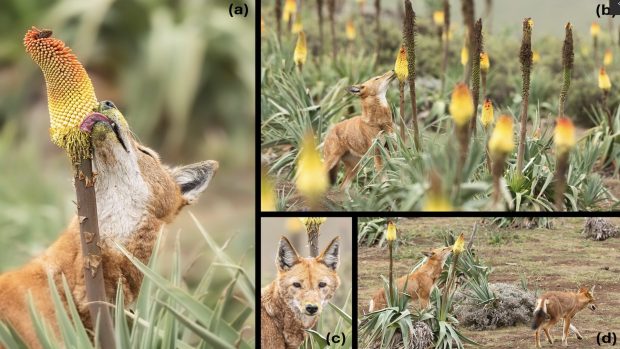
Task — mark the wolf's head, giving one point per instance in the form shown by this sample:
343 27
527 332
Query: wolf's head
307 284
438 255
134 189
374 88
587 297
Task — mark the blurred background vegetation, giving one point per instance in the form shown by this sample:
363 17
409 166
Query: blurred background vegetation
182 72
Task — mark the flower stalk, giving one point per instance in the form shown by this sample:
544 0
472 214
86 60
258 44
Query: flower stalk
409 38
462 110
568 57
446 42
467 7
525 57
475 72
564 139
313 224
390 237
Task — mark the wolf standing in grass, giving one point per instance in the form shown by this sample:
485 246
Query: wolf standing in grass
350 139
420 282
553 306
293 302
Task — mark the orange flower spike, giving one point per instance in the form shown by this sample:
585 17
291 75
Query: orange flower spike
564 135
608 57
487 117
603 80
485 64
70 93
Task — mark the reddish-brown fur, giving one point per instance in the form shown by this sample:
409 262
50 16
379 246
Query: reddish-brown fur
64 256
419 283
553 306
285 301
350 139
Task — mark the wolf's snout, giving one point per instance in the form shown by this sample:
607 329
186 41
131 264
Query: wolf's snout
311 309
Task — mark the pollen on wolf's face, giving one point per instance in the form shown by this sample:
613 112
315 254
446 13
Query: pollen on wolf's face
309 285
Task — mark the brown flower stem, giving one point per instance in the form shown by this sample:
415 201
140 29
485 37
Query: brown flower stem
401 89
486 147
462 134
525 57
475 72
278 12
390 247
446 42
560 180
409 36
313 239
498 171
378 27
331 4
467 7
567 66
319 9
91 253
595 51
610 123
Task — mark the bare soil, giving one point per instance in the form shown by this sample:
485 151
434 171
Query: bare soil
557 259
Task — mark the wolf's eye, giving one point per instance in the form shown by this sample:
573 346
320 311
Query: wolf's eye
297 284
322 284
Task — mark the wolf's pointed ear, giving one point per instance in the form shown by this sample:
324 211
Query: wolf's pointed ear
354 89
583 289
428 254
331 255
193 179
287 255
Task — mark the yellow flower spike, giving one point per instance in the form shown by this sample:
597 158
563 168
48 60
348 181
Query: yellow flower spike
487 117
530 23
350 30
438 18
485 64
603 80
297 25
267 194
390 233
301 50
461 105
595 29
464 56
459 245
608 57
501 141
564 135
312 181
70 93
400 67
312 220
290 8
535 57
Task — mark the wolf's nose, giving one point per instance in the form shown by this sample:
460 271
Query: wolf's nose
311 309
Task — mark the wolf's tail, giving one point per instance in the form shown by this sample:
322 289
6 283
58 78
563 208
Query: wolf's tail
540 313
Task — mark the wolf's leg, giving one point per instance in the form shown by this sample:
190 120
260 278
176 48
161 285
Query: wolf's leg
548 334
565 331
537 338
350 169
576 331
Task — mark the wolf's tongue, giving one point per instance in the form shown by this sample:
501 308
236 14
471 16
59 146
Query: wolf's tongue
91 119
